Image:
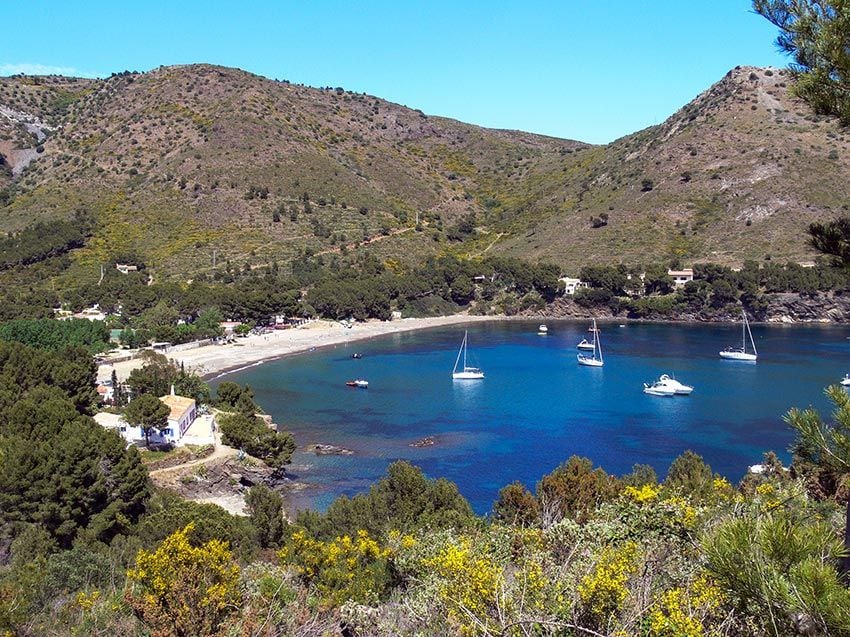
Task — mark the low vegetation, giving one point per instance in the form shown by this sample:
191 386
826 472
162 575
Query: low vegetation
585 552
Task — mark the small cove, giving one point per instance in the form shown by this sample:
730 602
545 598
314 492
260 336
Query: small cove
537 407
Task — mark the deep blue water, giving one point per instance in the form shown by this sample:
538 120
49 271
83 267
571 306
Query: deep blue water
537 406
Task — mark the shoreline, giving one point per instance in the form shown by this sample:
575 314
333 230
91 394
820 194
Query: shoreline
211 362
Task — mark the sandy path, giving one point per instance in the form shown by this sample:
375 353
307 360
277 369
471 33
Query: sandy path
211 360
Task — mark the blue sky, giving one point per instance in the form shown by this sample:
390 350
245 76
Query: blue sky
587 70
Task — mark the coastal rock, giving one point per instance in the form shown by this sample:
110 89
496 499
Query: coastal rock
427 441
786 307
329 450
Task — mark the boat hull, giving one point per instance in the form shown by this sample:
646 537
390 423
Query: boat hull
663 392
588 362
739 356
585 346
467 375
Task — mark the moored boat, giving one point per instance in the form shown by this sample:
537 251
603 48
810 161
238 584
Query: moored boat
586 345
658 389
596 359
678 388
741 353
466 372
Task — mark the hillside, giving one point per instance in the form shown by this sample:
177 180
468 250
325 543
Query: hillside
189 167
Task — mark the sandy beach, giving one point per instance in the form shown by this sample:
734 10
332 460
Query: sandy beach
210 361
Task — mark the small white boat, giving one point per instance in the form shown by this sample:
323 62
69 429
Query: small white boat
678 388
362 384
542 330
741 353
658 388
466 372
846 380
586 345
596 359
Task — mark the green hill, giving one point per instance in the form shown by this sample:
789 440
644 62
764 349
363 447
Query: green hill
191 167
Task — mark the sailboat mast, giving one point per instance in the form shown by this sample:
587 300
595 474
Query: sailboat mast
597 340
465 334
752 342
457 360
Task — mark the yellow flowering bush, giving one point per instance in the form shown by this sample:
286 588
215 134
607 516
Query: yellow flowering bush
722 490
603 590
681 612
643 493
180 589
469 583
355 568
686 514
767 496
86 601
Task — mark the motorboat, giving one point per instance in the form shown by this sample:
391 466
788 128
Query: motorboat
542 330
466 372
846 380
678 388
741 353
586 345
658 388
357 355
360 383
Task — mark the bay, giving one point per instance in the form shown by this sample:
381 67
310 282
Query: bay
537 406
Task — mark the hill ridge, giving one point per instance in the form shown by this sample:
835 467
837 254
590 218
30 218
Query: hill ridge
188 159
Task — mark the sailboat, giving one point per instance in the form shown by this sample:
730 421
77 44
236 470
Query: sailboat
596 359
741 353
466 372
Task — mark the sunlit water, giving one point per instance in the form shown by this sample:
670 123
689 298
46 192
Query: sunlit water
537 406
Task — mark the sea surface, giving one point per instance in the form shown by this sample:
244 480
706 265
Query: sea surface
537 406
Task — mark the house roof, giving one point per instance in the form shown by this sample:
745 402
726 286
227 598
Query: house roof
179 405
109 421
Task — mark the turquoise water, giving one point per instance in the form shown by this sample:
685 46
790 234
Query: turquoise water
537 406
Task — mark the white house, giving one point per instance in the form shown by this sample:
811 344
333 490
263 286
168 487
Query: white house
571 285
680 277
184 413
105 392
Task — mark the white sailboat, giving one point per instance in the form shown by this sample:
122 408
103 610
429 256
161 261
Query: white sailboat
466 372
596 359
741 353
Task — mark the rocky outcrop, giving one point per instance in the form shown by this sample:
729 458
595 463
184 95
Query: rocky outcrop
797 308
329 450
820 307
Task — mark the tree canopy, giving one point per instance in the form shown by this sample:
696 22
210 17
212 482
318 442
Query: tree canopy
815 33
149 413
58 468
